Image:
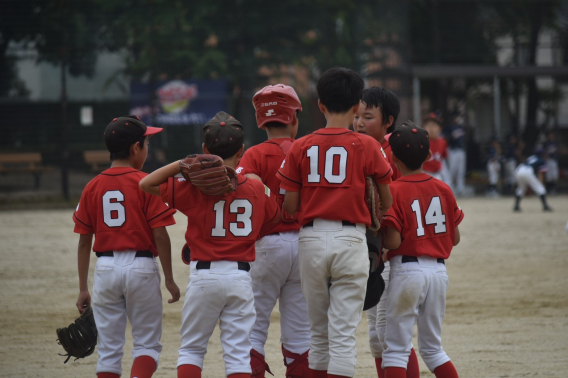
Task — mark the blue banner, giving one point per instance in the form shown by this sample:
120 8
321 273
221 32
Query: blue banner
179 102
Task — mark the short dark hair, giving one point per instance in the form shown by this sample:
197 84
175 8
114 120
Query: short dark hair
383 99
125 154
339 89
275 125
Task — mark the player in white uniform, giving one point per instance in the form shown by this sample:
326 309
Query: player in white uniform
275 272
526 176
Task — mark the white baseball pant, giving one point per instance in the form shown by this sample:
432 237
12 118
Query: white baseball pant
222 293
457 166
126 286
416 294
276 276
334 267
525 177
493 170
510 165
377 319
551 174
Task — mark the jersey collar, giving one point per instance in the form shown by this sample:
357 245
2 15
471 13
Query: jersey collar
118 171
332 131
420 177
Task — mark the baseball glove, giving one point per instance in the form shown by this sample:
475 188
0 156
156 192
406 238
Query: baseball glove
374 204
208 174
80 337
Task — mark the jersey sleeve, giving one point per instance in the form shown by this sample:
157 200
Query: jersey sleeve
158 214
271 207
376 162
458 213
290 173
248 164
81 217
177 194
394 218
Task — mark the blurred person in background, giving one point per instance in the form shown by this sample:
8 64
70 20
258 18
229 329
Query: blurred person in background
438 145
531 174
493 168
456 156
511 159
551 157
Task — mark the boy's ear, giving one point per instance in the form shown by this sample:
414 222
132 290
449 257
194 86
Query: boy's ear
390 122
321 107
241 151
355 108
429 155
205 150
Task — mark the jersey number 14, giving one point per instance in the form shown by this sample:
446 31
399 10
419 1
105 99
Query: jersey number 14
434 215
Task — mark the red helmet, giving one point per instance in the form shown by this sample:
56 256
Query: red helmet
275 103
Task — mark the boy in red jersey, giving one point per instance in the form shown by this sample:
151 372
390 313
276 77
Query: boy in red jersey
129 228
378 111
275 273
327 171
438 146
221 233
421 230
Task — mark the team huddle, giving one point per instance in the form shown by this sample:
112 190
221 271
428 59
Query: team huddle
293 229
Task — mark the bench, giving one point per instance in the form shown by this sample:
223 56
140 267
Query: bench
22 162
99 160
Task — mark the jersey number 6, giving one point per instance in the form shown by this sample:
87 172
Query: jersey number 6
243 218
113 211
434 215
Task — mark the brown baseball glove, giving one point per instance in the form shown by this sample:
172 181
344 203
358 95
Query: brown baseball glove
374 204
208 174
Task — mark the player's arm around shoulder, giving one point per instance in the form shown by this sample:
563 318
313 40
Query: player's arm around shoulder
163 244
83 260
151 183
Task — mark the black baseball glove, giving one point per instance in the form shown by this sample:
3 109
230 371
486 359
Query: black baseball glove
80 337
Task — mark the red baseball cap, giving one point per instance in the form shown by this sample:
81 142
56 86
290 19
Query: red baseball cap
123 132
276 103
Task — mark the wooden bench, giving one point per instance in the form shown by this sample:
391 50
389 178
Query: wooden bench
22 162
99 160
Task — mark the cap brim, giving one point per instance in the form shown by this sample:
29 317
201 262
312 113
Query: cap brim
152 130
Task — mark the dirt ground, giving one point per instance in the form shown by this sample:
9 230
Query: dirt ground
507 311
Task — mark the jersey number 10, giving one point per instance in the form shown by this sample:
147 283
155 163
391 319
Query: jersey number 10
330 154
434 215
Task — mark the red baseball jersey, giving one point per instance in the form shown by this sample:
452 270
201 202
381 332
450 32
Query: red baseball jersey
426 214
329 168
222 227
121 216
439 148
388 152
264 160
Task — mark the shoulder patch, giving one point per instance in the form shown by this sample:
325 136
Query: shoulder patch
181 179
283 162
383 151
267 191
239 170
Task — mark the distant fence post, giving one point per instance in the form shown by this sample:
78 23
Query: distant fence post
416 99
497 107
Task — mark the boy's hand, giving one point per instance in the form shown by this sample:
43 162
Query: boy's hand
83 301
174 291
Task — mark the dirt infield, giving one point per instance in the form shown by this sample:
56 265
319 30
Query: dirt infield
506 314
